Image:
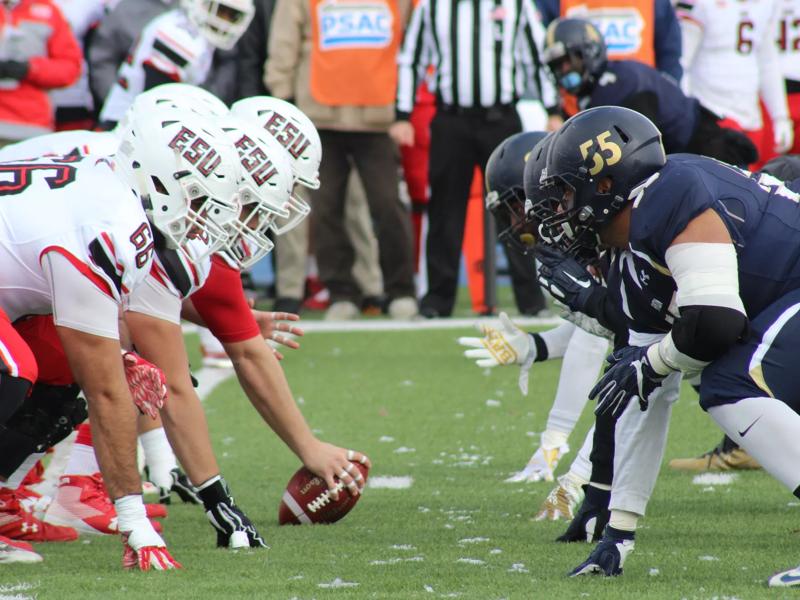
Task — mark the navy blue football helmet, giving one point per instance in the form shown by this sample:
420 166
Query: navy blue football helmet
574 50
505 196
617 146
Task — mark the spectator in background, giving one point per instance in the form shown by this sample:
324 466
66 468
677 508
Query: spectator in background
477 89
643 30
252 52
74 105
789 49
38 53
113 39
315 59
730 58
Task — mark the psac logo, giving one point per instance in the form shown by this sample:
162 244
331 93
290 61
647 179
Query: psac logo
287 133
356 24
621 27
255 161
196 150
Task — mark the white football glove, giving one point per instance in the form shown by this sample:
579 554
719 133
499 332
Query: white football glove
506 345
541 465
784 135
562 500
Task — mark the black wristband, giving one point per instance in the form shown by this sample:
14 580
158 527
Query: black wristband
542 353
215 493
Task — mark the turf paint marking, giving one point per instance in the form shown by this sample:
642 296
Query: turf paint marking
714 479
338 583
390 482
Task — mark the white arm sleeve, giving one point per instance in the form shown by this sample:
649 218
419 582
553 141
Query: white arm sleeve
154 300
77 302
691 38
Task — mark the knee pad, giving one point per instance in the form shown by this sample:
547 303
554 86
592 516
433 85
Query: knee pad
13 391
45 418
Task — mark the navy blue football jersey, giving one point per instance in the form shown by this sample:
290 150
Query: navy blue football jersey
624 80
761 214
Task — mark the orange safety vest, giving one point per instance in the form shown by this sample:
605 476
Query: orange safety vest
354 51
628 28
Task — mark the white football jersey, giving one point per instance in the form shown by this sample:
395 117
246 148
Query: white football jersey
80 209
82 15
724 74
788 36
62 143
171 44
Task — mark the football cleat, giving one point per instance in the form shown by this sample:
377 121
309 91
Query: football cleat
82 502
181 486
18 523
562 501
608 557
15 551
790 578
541 465
727 456
591 518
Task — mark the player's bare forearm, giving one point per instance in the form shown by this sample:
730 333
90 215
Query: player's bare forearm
161 342
96 364
264 382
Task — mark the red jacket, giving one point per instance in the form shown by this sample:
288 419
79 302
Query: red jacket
35 31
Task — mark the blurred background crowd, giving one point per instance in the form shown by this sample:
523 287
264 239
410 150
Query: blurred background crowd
410 99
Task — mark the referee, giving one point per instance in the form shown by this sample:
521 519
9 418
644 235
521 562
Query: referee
485 55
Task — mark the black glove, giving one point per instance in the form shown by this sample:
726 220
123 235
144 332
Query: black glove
13 69
629 375
181 486
227 518
567 280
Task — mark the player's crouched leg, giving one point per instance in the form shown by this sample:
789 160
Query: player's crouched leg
752 393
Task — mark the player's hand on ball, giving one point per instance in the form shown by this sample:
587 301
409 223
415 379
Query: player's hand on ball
331 462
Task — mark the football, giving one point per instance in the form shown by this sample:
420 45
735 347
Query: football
307 501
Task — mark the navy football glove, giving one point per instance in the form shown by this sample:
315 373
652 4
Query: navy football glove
609 555
591 519
566 279
629 375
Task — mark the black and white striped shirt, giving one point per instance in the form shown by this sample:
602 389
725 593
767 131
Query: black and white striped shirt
485 53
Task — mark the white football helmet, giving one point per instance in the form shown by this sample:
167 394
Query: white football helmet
185 171
222 22
264 190
177 95
292 128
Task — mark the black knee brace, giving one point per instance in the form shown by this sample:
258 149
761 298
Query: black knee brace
45 418
13 391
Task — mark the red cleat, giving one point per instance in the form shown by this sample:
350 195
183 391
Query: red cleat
19 524
82 502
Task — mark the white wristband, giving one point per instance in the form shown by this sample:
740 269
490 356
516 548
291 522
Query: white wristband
130 510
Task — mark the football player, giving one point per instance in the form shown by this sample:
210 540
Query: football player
576 54
709 234
91 247
177 46
730 61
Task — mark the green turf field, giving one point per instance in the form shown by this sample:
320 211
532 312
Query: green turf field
420 410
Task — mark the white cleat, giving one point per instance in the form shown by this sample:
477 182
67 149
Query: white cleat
788 578
16 551
541 465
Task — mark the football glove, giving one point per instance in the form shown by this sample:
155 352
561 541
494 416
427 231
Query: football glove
784 135
147 384
541 465
566 279
506 345
629 375
562 501
608 557
234 529
591 518
143 548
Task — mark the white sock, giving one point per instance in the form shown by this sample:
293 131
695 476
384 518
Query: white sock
158 457
82 460
771 430
623 520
